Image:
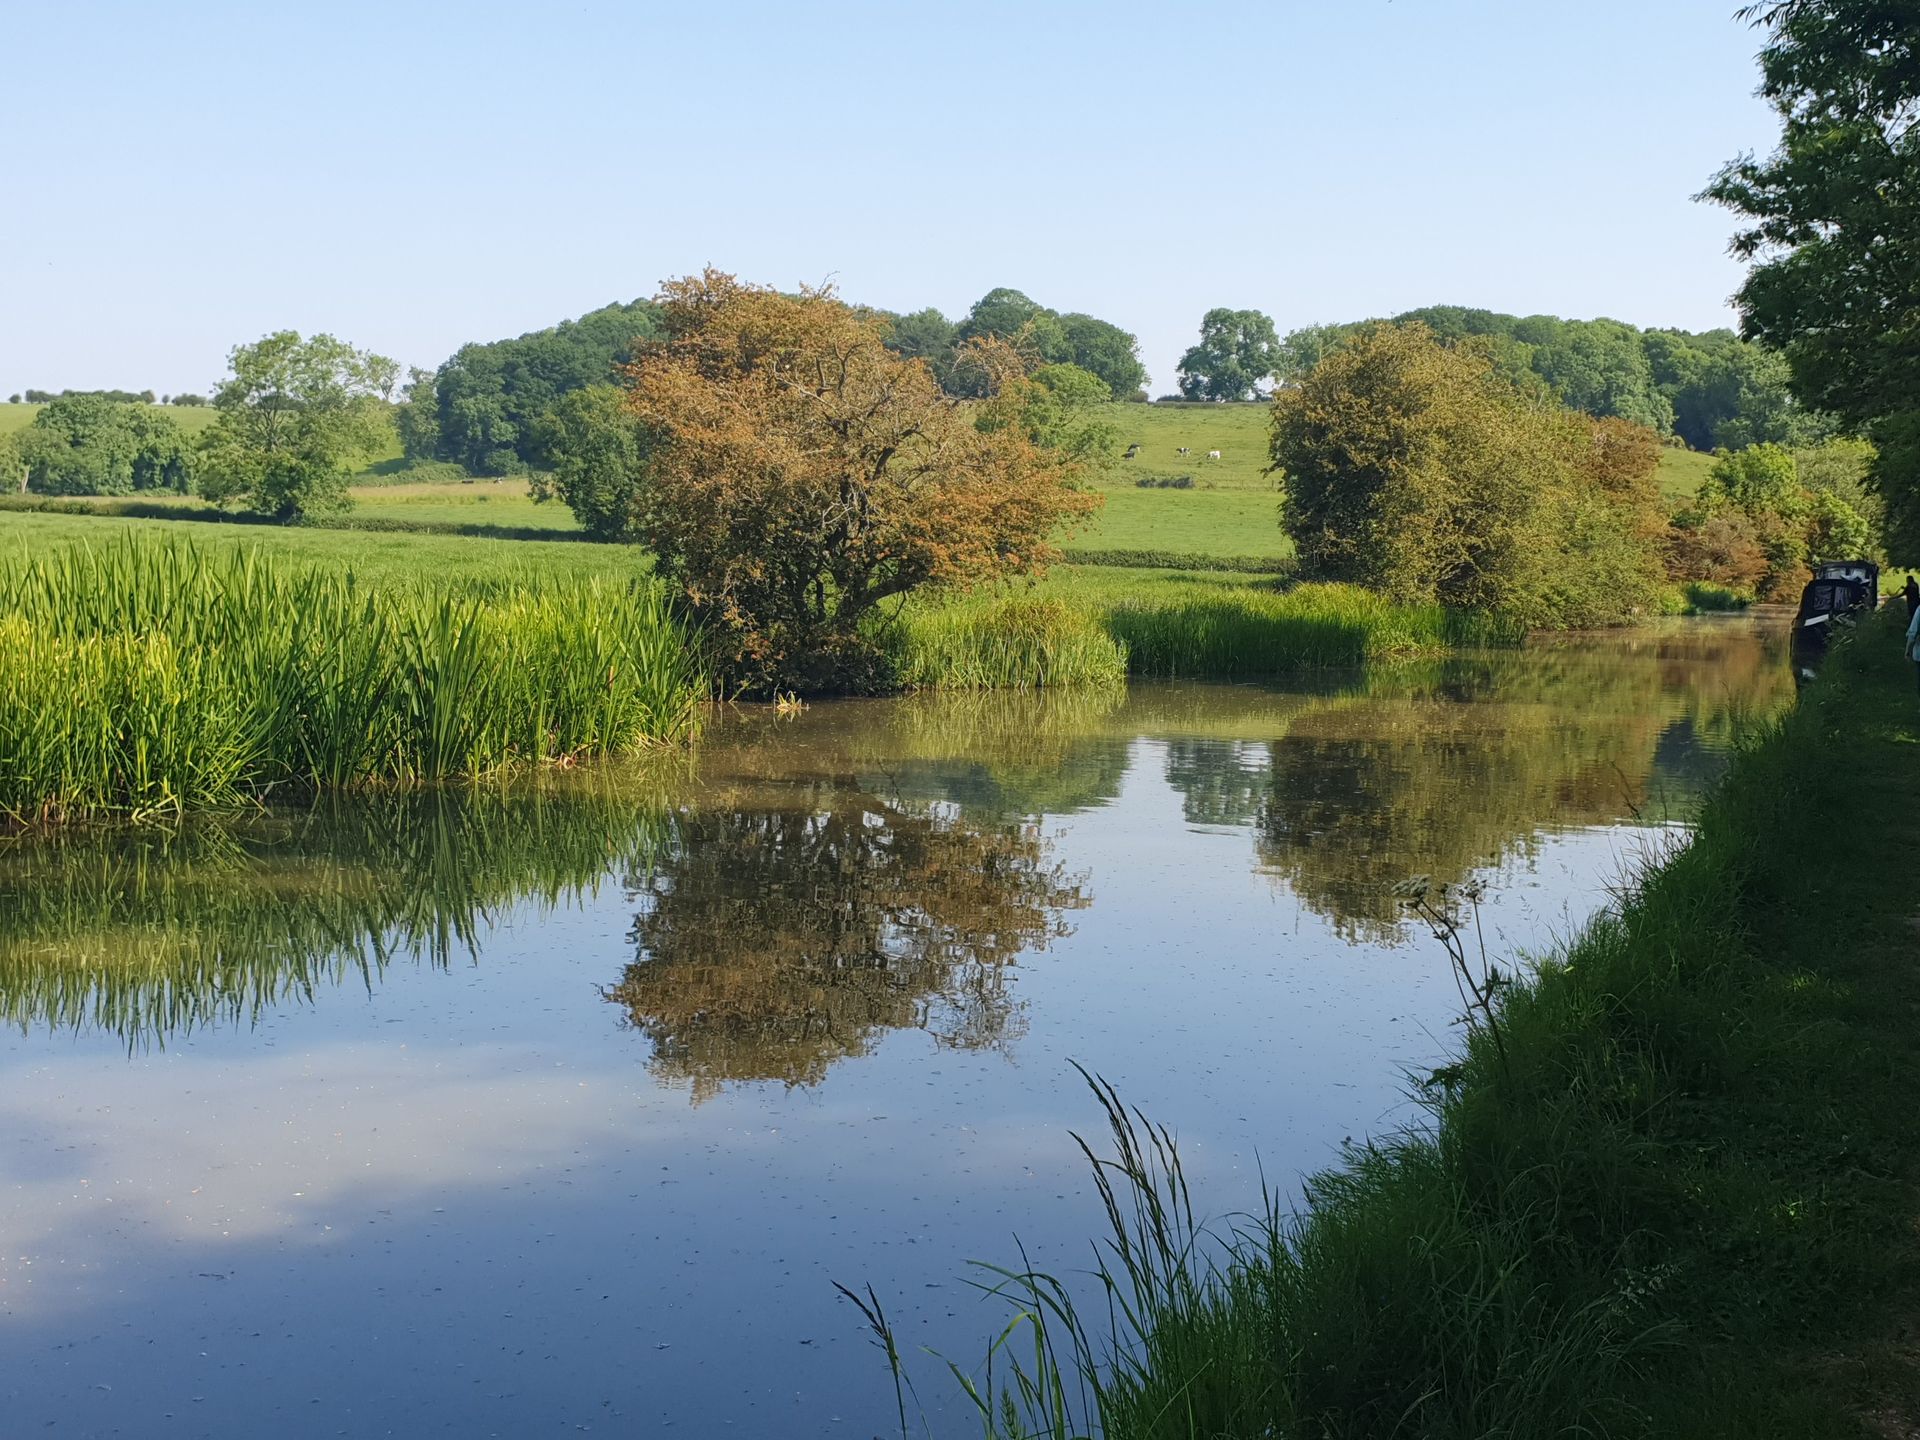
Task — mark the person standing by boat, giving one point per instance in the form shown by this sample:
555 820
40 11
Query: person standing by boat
1913 639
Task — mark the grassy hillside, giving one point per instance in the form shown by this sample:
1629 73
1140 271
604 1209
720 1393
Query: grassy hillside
1238 432
1681 473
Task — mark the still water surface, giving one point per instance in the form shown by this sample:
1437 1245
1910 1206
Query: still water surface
559 1109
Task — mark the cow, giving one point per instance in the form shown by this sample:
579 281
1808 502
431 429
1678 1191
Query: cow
1132 450
1181 451
1213 454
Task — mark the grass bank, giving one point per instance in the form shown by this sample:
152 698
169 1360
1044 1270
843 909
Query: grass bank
147 676
1670 1192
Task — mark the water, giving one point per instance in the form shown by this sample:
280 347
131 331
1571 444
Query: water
561 1109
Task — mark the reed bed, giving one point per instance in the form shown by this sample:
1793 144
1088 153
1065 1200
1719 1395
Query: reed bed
1228 632
1705 597
1014 644
147 677
1263 632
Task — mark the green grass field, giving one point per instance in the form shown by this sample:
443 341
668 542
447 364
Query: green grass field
1231 513
472 502
372 554
379 555
1681 473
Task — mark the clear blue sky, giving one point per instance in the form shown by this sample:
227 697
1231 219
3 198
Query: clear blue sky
412 176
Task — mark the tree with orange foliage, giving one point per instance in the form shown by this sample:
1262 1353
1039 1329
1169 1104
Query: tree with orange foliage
799 473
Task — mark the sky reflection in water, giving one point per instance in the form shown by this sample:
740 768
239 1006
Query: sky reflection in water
562 1107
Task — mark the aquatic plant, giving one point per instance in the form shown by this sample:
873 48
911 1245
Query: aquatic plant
1704 596
1009 644
152 676
1250 632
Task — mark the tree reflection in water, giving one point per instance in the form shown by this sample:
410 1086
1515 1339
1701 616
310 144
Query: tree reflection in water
778 936
803 887
1444 768
150 932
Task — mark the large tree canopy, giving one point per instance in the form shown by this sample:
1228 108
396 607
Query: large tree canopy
87 444
1833 225
490 400
1710 389
799 472
1238 355
1415 467
294 418
1044 336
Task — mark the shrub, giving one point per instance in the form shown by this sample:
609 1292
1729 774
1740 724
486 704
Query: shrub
1416 468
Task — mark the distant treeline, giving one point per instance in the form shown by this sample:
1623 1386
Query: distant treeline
487 408
121 397
1711 390
90 443
491 408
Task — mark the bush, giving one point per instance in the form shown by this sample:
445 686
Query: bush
1415 468
598 451
1703 596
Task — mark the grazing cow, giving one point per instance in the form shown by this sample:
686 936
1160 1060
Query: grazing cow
1213 454
1181 451
1132 450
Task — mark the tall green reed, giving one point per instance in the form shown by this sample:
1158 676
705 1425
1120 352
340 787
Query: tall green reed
1265 632
1010 644
151 676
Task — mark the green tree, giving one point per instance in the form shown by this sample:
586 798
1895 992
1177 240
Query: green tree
1832 224
1237 356
926 335
418 417
492 397
1761 480
1006 314
294 418
1066 411
1300 350
598 453
81 444
1842 467
1104 349
1761 485
1600 367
